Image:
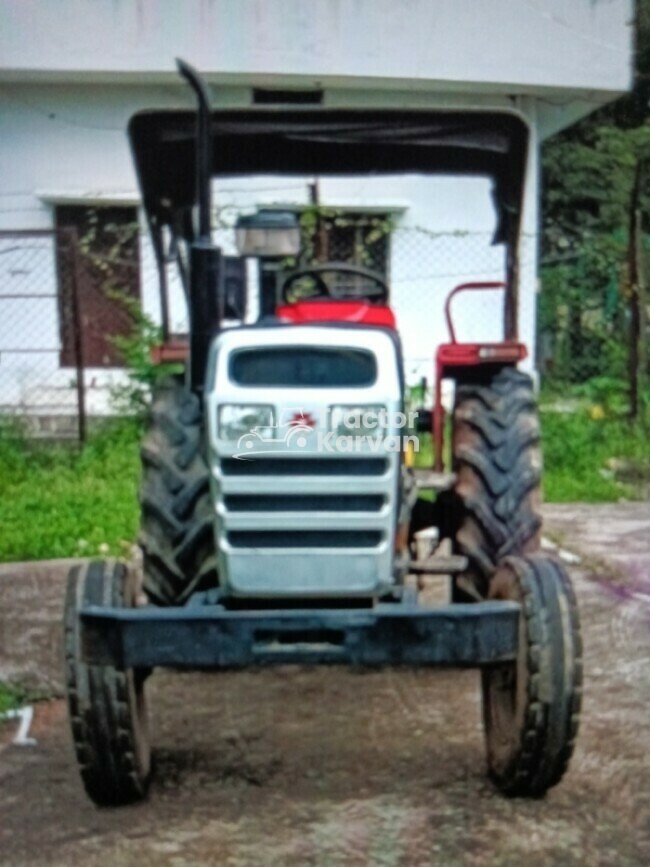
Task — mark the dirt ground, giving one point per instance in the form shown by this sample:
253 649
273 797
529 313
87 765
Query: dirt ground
338 768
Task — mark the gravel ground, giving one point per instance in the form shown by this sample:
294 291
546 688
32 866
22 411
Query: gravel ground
336 768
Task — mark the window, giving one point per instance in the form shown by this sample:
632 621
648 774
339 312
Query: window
105 272
354 238
304 367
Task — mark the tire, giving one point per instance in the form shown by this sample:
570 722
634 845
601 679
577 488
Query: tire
177 515
531 707
107 705
497 461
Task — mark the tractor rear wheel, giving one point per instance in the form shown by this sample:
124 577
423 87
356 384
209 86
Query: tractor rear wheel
107 706
497 461
531 707
176 531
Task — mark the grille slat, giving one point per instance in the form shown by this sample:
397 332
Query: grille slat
303 503
304 538
356 466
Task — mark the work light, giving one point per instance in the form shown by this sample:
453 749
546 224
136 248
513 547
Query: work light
268 234
356 421
235 420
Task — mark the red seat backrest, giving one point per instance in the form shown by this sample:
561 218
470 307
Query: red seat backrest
303 312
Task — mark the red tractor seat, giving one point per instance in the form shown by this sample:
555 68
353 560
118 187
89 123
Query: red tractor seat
303 312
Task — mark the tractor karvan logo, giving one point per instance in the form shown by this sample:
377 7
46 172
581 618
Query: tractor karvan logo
344 431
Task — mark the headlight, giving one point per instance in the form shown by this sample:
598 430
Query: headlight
235 420
359 421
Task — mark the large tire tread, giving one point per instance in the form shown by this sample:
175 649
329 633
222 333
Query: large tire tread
106 733
497 461
177 526
553 660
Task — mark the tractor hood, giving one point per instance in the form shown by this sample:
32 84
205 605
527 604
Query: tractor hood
327 142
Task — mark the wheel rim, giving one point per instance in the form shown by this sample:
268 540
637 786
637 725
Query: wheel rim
140 717
505 686
136 695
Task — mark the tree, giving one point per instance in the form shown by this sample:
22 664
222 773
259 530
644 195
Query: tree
595 206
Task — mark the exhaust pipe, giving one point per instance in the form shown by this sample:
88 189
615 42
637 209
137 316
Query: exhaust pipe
203 145
205 301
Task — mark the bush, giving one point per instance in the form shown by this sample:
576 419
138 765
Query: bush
133 397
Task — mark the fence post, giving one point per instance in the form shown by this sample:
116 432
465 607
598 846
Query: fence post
78 334
637 294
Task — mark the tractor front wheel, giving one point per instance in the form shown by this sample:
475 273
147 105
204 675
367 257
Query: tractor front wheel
531 706
107 706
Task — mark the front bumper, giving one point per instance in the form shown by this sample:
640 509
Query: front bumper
208 636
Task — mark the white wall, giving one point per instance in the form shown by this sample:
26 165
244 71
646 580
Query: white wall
73 72
57 144
512 46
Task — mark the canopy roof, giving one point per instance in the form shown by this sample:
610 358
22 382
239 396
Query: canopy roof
327 142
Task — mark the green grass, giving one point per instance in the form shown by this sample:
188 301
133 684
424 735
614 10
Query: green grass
59 501
64 502
577 449
578 455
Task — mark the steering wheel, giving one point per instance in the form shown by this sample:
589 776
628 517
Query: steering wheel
376 292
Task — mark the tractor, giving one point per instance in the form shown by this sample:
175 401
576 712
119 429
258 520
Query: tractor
263 540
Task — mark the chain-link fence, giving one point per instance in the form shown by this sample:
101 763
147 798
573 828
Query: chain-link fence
425 267
69 299
62 306
592 324
41 381
422 265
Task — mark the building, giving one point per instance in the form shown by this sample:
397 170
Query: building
72 73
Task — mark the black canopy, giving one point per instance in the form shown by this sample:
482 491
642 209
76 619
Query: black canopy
327 142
